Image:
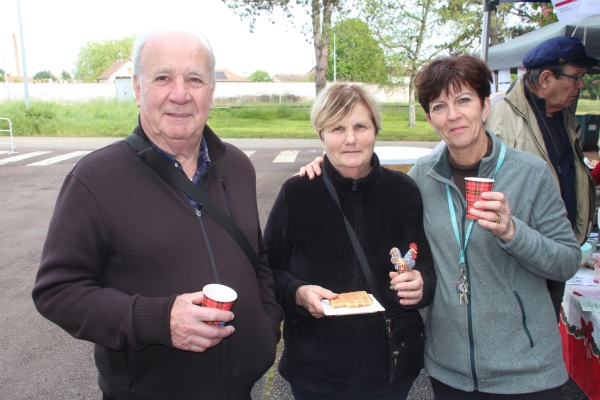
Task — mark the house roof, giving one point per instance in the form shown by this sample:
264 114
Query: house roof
113 68
224 75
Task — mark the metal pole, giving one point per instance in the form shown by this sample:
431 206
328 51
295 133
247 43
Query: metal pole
485 34
25 79
5 73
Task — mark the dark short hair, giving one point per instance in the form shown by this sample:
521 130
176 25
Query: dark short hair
450 73
532 76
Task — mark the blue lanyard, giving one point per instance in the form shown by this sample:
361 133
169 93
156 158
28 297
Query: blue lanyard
453 213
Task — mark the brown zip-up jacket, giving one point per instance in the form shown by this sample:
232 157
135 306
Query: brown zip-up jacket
124 241
513 121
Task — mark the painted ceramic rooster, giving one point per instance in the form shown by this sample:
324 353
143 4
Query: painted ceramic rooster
406 263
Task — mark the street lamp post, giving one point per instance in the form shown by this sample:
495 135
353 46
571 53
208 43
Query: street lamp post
25 79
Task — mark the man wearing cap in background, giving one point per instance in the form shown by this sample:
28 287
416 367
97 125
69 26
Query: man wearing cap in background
534 116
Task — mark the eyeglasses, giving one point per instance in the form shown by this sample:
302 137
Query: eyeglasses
577 79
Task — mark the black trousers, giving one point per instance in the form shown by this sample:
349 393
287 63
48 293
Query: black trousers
441 391
557 291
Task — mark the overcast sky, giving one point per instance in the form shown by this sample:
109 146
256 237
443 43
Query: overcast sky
54 31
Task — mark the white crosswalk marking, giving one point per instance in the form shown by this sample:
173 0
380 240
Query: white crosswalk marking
23 157
249 152
286 156
4 152
56 159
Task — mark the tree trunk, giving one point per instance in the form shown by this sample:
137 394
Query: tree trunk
321 40
412 118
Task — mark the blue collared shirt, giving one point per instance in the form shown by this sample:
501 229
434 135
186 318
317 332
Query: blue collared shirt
203 163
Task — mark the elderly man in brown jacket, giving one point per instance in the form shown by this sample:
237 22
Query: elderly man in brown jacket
128 252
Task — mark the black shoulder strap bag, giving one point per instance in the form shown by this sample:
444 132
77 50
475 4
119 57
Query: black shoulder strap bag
201 198
404 328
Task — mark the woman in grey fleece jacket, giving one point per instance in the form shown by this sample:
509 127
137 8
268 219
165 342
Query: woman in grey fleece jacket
498 334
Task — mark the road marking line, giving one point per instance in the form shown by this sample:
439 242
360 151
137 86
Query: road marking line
56 159
249 152
4 152
23 157
286 156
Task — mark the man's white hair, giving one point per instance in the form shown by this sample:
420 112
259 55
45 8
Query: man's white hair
148 34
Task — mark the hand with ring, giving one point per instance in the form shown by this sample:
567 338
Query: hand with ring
495 215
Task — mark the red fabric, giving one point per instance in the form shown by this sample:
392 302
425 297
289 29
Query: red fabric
582 365
596 173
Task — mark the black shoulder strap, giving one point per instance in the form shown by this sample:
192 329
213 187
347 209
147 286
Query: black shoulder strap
357 247
201 198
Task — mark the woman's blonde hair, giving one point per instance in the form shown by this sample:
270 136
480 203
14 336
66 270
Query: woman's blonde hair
335 102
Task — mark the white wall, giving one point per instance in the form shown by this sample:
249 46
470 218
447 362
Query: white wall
225 92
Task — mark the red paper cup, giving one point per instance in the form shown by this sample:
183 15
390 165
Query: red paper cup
473 189
218 296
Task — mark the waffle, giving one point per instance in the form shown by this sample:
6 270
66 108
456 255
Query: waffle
351 300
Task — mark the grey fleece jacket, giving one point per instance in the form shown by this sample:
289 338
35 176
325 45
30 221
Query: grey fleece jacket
506 340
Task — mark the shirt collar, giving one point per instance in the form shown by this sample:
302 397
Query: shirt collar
203 160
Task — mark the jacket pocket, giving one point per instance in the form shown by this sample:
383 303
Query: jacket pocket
120 372
525 328
405 336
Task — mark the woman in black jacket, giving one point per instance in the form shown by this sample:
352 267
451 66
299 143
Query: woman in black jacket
312 259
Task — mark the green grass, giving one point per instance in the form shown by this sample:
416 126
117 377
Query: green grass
95 118
109 118
584 106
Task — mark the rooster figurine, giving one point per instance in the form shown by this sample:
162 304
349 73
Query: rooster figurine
408 262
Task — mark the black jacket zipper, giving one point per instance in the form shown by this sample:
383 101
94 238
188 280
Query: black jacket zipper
208 246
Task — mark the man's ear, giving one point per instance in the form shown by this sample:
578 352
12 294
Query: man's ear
545 78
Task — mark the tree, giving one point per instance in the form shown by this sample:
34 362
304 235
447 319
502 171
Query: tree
413 32
403 29
66 76
1 75
592 87
321 12
259 76
43 75
96 56
358 55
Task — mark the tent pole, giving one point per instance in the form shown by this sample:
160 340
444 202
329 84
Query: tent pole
485 35
488 7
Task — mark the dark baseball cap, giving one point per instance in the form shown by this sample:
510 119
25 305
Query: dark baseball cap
558 51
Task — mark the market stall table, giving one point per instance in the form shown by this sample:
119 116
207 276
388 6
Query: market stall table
395 155
580 331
